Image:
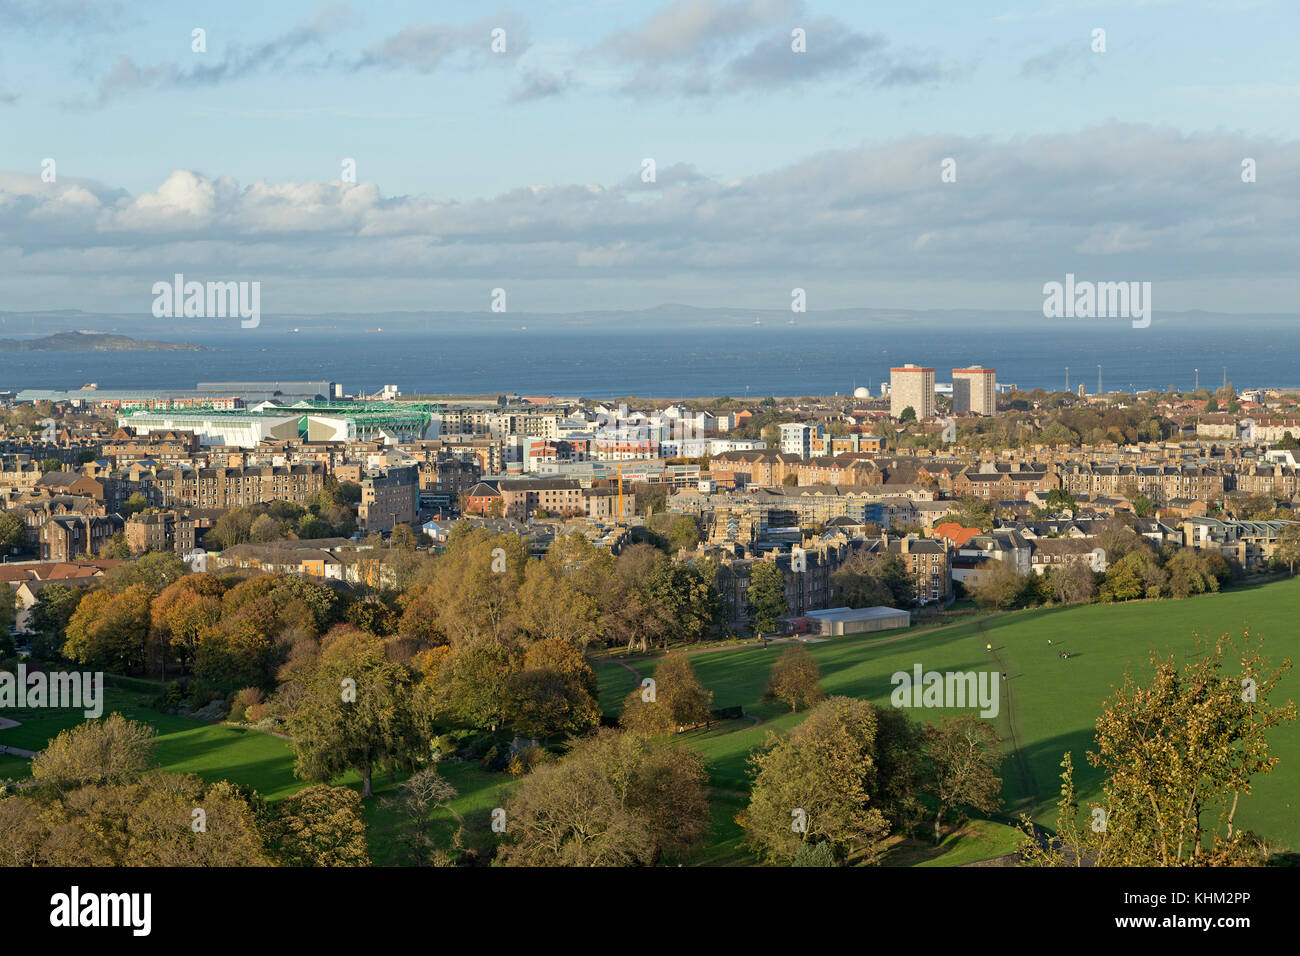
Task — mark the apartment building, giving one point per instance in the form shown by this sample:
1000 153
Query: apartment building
855 442
521 498
857 472
166 447
388 498
161 531
911 386
974 390
443 480
760 467
798 438
1005 481
70 537
927 561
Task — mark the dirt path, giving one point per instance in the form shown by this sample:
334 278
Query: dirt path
1019 760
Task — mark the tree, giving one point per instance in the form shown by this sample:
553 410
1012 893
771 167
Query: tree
96 751
818 783
49 617
13 531
1135 575
674 701
871 580
320 826
182 612
1072 582
795 678
359 710
421 795
134 505
1002 589
471 686
554 692
402 538
1060 499
907 415
962 756
148 820
1288 544
1177 755
264 528
765 597
116 547
1189 573
617 799
110 631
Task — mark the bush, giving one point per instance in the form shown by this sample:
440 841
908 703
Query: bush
243 701
815 854
526 759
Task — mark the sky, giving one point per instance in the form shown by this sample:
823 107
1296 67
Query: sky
131 151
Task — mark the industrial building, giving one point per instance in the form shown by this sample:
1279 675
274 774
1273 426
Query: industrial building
389 422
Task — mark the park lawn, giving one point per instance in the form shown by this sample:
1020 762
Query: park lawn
972 842
479 792
14 768
613 683
39 725
212 751
1054 703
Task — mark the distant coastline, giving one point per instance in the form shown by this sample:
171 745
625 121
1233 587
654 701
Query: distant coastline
95 342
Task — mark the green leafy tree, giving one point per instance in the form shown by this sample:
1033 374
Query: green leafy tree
818 784
962 756
676 700
13 531
766 597
358 710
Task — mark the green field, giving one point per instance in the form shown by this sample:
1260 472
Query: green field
1054 702
259 760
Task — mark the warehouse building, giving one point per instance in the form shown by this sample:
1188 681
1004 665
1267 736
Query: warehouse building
839 621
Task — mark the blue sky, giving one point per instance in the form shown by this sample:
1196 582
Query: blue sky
522 170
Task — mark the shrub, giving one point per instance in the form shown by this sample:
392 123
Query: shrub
243 701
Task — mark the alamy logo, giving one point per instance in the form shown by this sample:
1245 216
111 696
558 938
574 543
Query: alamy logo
73 909
58 689
1098 300
953 689
211 300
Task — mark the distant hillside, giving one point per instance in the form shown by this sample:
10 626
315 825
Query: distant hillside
93 342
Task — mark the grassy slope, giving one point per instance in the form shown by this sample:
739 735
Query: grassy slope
1055 702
